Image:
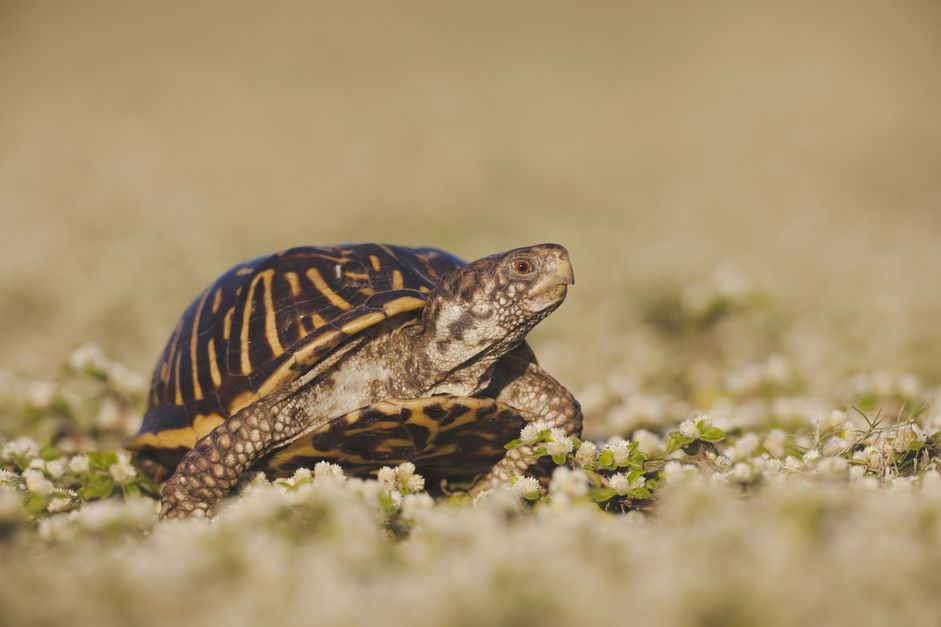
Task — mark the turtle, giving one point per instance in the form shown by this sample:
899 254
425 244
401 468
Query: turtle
359 354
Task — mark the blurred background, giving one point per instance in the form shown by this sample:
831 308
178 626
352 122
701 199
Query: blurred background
790 150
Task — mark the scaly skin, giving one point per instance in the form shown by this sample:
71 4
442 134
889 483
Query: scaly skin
472 320
523 385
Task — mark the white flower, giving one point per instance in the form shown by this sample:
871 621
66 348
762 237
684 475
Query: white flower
742 472
41 393
11 505
792 464
109 414
124 380
407 479
776 443
674 472
648 442
122 471
326 469
301 474
621 451
811 456
587 454
559 443
88 356
386 478
58 504
834 421
904 437
6 476
37 483
417 507
834 446
573 483
688 428
79 464
55 468
530 433
526 486
832 466
620 483
20 448
744 448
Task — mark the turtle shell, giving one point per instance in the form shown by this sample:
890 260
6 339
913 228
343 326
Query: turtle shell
266 322
431 432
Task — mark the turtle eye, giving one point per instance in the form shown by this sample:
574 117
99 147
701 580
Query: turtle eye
523 266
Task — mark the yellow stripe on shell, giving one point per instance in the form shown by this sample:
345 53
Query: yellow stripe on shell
466 418
365 321
227 323
202 425
178 396
294 283
376 265
388 445
271 320
397 282
214 364
402 304
335 299
216 300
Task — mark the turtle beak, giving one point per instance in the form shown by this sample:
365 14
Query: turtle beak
556 275
558 268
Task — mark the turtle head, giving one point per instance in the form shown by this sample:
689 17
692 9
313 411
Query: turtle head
487 307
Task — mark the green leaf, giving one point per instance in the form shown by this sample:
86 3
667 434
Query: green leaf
594 477
677 441
386 504
96 487
513 444
600 495
131 489
49 453
639 493
560 458
101 461
35 504
539 452
712 434
532 496
606 459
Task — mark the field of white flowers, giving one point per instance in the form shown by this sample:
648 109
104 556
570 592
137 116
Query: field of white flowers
750 197
756 505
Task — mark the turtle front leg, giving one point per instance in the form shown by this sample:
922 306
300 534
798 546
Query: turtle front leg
214 466
523 385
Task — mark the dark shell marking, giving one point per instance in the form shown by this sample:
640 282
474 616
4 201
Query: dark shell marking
264 323
442 435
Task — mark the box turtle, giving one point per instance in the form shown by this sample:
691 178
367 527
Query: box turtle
363 355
